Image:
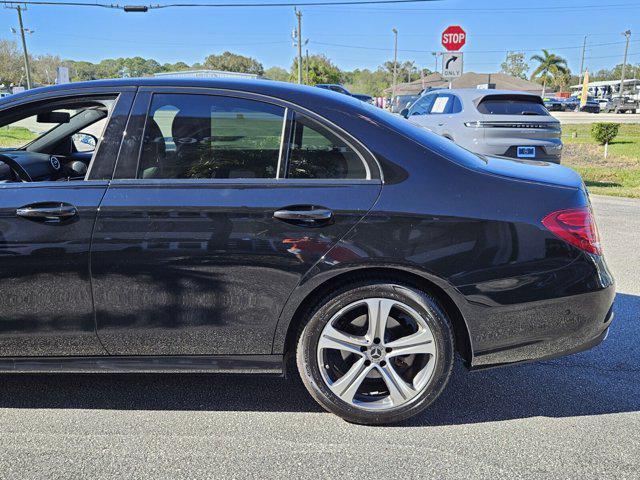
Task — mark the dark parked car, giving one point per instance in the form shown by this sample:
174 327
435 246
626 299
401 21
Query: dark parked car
572 104
621 105
254 226
334 87
554 104
400 102
363 98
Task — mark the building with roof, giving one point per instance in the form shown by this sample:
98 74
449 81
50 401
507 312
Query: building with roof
610 87
205 74
500 81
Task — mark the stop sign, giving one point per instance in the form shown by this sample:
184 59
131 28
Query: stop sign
453 38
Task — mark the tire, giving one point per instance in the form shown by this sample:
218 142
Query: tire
316 364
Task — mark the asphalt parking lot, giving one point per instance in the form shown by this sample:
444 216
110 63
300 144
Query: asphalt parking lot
576 417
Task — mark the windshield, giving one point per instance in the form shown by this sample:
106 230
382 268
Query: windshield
511 106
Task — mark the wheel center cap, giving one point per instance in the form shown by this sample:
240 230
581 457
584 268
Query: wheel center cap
376 353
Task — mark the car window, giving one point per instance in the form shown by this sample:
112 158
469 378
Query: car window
505 105
52 141
422 106
205 136
318 153
23 131
442 104
456 106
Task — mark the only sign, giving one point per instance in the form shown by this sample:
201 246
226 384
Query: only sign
454 38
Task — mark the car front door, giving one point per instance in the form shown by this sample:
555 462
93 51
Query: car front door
419 112
45 234
214 217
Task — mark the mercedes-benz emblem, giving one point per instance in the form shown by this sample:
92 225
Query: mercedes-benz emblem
55 163
376 353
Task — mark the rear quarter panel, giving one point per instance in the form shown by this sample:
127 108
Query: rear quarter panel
475 234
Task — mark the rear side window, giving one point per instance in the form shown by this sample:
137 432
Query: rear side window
507 105
317 153
204 136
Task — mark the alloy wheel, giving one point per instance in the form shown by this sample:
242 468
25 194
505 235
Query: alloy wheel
377 354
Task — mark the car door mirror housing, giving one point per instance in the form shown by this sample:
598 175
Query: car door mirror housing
84 142
405 112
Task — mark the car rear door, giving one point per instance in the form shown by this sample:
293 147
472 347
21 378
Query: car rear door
45 235
442 113
221 202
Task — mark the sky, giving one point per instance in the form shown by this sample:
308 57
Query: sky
351 36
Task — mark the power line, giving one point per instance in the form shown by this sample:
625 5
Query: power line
574 8
144 8
574 47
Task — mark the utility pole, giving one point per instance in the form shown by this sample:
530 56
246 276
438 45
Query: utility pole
584 47
627 34
395 62
299 15
27 69
436 55
307 65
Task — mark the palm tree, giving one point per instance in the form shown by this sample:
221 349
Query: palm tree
549 66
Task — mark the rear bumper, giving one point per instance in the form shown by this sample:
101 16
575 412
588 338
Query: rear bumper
547 151
557 329
505 333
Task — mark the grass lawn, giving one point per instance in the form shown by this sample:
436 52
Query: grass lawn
15 136
619 173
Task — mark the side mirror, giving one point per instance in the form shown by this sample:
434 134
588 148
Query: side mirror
404 112
84 142
53 117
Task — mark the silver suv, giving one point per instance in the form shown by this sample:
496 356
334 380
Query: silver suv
491 122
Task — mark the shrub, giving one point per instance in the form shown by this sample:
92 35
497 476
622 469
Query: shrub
604 132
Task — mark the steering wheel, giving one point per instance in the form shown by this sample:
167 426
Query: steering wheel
20 173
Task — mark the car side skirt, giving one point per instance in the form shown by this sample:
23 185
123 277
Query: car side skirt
271 364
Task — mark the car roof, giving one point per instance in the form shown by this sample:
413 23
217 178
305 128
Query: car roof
300 94
476 93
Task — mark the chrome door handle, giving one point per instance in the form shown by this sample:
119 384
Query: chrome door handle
51 211
304 216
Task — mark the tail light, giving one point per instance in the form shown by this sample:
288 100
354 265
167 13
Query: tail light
576 226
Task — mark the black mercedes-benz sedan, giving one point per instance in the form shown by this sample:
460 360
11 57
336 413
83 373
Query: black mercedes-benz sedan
223 226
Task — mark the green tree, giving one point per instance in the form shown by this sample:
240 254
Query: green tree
561 80
10 63
515 65
232 62
320 70
81 71
604 133
277 73
175 67
549 65
368 82
44 69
